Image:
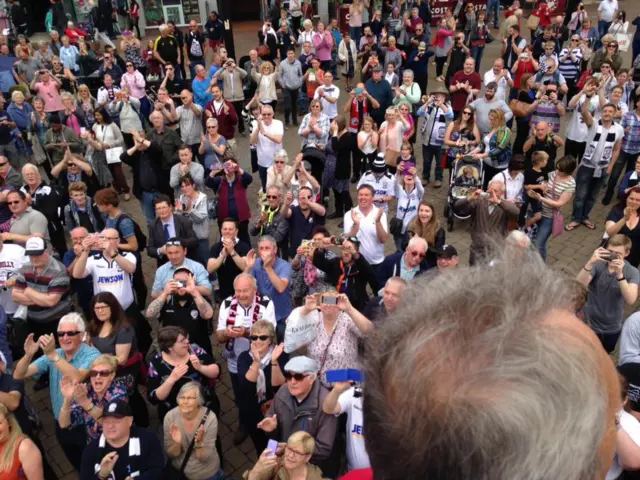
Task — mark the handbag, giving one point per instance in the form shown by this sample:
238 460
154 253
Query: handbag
170 472
488 38
624 40
557 225
263 51
113 153
532 22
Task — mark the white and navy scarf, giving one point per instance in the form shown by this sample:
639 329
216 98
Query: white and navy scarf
134 456
261 382
607 152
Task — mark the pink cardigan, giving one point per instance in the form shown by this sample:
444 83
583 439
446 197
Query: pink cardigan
323 44
135 82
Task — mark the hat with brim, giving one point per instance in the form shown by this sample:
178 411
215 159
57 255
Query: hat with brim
301 364
377 68
441 89
379 165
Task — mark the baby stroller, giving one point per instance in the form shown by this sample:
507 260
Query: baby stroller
461 180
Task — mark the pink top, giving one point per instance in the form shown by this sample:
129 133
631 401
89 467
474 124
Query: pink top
405 134
323 44
341 350
135 82
49 94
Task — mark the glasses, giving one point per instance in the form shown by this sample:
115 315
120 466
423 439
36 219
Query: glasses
174 243
612 45
466 113
279 161
298 377
211 126
418 254
296 453
129 65
272 197
100 308
70 333
100 373
267 115
575 39
13 203
253 338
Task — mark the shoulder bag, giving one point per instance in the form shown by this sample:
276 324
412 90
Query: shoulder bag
170 473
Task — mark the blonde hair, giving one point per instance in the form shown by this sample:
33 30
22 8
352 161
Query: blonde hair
15 432
212 121
266 64
264 326
304 439
498 115
106 359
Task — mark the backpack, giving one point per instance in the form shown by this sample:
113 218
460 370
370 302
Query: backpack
140 237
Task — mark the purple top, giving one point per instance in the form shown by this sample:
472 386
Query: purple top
323 43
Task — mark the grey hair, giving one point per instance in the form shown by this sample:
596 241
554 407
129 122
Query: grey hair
66 96
408 72
74 318
268 238
282 153
248 276
418 242
475 381
192 386
516 238
398 280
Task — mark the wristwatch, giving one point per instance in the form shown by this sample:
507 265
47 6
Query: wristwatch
56 358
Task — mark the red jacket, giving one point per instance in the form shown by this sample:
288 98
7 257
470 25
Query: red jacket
226 121
360 474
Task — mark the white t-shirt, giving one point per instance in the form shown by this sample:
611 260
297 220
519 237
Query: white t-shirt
577 130
266 147
513 188
328 108
384 184
503 86
357 456
607 8
11 259
370 247
631 426
244 318
108 276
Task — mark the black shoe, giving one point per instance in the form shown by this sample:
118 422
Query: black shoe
333 215
341 225
41 383
354 179
606 200
240 436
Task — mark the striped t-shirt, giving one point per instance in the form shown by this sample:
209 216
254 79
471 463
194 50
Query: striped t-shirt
567 67
568 185
53 278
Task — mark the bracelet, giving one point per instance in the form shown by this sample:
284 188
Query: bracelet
621 279
586 269
275 364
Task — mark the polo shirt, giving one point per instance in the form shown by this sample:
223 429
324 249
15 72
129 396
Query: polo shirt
370 247
108 276
228 271
167 48
12 257
81 359
29 222
281 301
300 227
166 271
328 108
188 317
52 279
607 8
244 318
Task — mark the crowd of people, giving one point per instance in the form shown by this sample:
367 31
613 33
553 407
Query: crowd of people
296 306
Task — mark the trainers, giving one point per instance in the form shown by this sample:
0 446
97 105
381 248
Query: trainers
437 184
286 126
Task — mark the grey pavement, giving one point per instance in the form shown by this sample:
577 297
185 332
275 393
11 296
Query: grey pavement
567 252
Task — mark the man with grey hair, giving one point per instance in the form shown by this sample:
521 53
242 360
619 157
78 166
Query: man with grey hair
237 314
71 360
385 304
267 136
273 276
251 65
490 215
496 360
408 264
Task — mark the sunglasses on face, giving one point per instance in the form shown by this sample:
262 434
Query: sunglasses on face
13 203
129 65
466 113
212 126
253 338
70 333
99 373
272 197
418 254
298 377
279 162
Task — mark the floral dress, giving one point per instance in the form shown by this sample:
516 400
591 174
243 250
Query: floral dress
304 281
116 391
132 54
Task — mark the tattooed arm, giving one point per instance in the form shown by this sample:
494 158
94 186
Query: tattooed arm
204 307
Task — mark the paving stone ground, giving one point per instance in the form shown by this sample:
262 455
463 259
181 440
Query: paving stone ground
567 253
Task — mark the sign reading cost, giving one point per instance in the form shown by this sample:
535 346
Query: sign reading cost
439 7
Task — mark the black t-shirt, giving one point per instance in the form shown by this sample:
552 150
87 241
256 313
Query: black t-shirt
9 384
123 336
300 227
167 48
616 215
228 271
188 317
531 177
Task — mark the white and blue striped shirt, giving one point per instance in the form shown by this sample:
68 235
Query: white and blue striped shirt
569 68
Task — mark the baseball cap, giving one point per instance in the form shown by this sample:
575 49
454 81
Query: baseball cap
301 364
118 409
377 68
183 268
34 246
447 251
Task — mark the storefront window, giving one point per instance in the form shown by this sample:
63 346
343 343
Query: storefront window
180 11
153 13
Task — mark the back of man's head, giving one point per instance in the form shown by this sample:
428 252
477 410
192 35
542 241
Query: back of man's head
489 377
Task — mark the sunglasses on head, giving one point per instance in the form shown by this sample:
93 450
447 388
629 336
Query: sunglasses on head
70 333
253 338
174 243
99 373
298 377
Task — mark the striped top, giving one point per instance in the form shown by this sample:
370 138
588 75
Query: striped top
546 111
52 279
568 185
567 67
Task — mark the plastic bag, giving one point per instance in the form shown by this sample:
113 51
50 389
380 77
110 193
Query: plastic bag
300 331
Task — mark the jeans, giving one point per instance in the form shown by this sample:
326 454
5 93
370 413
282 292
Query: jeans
603 27
192 66
303 100
495 5
476 54
146 203
202 247
608 340
587 188
334 63
218 476
290 105
262 172
355 33
544 232
428 154
624 163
